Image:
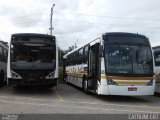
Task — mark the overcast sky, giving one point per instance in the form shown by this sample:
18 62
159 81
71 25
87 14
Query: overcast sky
80 21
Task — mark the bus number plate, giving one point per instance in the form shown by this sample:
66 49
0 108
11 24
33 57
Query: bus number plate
132 89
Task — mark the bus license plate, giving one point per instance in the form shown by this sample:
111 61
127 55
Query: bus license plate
132 89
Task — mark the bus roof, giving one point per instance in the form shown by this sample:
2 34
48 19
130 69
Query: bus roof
108 34
124 33
32 34
80 47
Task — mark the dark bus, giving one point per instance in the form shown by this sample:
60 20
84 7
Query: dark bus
33 60
3 62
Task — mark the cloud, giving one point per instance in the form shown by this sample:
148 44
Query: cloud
80 19
67 5
24 13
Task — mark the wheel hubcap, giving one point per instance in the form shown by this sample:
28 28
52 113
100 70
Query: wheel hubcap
85 85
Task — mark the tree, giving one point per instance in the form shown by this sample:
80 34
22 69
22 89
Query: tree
71 48
61 53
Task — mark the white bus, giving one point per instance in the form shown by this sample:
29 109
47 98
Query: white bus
156 50
32 60
112 64
3 63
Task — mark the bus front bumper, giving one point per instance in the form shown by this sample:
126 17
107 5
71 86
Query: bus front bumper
126 90
32 81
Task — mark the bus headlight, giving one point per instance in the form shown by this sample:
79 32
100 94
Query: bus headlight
50 75
15 75
111 82
150 83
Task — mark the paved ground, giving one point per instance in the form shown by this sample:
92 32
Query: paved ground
70 99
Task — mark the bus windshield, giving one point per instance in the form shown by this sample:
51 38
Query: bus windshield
32 55
128 59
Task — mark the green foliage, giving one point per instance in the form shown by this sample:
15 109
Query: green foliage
61 53
60 76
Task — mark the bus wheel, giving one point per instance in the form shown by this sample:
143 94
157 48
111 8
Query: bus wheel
1 79
85 86
157 94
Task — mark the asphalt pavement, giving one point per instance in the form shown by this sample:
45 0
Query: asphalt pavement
68 99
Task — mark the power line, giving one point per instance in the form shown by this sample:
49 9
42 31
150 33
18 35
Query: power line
81 14
82 22
106 24
24 17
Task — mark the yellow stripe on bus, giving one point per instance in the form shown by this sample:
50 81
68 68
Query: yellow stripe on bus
130 83
74 74
126 78
103 77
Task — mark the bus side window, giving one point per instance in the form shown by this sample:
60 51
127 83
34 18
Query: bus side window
77 57
86 51
66 61
85 54
81 52
80 56
74 59
76 54
71 59
157 58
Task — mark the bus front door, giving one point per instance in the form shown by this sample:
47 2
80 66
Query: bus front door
93 66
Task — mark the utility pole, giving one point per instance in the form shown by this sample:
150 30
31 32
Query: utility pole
51 27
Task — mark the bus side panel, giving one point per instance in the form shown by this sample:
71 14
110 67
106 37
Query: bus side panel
103 87
56 71
64 70
157 72
8 64
75 74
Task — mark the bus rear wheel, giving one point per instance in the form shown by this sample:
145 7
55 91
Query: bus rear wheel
85 85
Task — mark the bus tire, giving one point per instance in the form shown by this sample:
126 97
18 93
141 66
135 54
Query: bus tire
157 94
1 78
85 85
